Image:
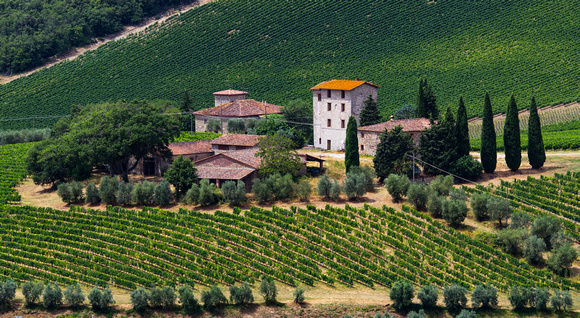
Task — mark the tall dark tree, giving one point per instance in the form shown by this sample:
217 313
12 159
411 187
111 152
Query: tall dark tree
370 113
392 151
426 102
536 151
421 107
186 103
488 138
182 175
462 130
187 121
437 145
351 157
511 136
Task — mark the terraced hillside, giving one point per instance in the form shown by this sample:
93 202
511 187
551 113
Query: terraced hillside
277 49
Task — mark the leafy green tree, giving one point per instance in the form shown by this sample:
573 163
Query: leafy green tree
268 290
467 168
192 194
143 193
7 292
412 314
282 186
73 296
426 102
478 204
454 212
534 248
186 103
484 296
517 298
299 112
546 227
32 291
234 194
428 295
397 186
488 138
561 300
498 209
213 125
236 126
52 296
323 186
262 190
392 153
435 204
92 194
462 130
100 300
182 175
454 297
123 194
351 157
76 191
64 192
213 298
511 240
536 150
299 295
187 300
303 189
511 136
241 296
402 294
369 115
162 297
562 258
162 193
335 190
520 220
140 299
108 189
437 145
278 156
207 194
441 185
541 299
417 196
354 185
369 174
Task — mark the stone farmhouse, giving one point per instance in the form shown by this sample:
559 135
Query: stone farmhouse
334 102
233 104
368 136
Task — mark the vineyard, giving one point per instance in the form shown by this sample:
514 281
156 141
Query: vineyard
12 170
276 50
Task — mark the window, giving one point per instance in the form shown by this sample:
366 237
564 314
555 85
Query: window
329 106
328 145
223 147
342 123
319 97
362 134
328 123
328 93
362 147
320 141
342 94
342 107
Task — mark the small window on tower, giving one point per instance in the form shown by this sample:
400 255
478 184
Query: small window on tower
328 123
320 141
342 123
319 97
328 94
329 106
362 147
342 94
342 107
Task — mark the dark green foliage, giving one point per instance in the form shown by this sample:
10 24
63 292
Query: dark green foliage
462 130
426 101
467 168
488 144
268 290
484 296
123 194
299 295
186 103
283 186
299 111
402 294
32 291
562 258
437 146
73 296
441 185
369 115
369 174
140 299
354 185
536 151
64 192
323 186
351 157
520 220
143 193
466 314
546 227
454 297
511 136
428 296
335 190
417 196
478 204
407 111
76 191
213 125
541 299
187 300
162 193
236 126
20 136
392 153
49 162
561 300
454 212
182 175
413 314
7 292
241 296
499 209
52 296
278 156
512 240
262 190
192 194
208 193
162 297
92 194
251 124
435 204
534 248
108 189
186 136
100 300
518 299
397 186
303 190
234 194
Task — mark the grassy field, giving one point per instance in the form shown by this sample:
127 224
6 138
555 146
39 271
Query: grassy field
276 50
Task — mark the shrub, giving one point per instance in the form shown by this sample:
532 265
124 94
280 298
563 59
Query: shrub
236 126
52 296
182 175
435 204
467 168
541 299
213 125
76 192
454 212
517 298
428 296
397 186
369 174
241 295
123 193
545 227
262 191
73 296
268 290
299 295
162 193
457 195
100 300
92 194
213 297
335 190
250 123
354 185
303 190
107 189
478 204
283 186
561 300
466 314
402 294
520 220
32 292
162 297
562 258
417 195
420 314
234 194
64 192
442 185
207 194
140 299
454 297
498 209
324 185
7 292
534 248
187 300
484 296
192 194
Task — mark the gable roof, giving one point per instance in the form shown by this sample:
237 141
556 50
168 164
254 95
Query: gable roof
344 85
230 92
247 156
241 108
233 165
237 140
415 124
190 147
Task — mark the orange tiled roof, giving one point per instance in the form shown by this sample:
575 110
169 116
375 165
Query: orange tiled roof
415 124
190 147
233 165
344 85
241 108
230 92
237 140
246 156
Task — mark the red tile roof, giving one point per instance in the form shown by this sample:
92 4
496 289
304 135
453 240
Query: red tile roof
415 124
190 147
230 92
225 166
246 156
237 140
223 173
344 85
241 108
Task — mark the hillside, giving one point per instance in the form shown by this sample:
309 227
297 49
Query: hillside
277 49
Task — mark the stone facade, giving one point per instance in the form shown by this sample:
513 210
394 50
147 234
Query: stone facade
201 122
368 141
228 96
369 136
332 108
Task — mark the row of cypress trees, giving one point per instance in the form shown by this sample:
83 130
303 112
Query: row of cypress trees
511 138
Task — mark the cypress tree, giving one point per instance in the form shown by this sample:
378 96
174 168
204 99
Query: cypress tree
488 145
370 113
426 102
351 157
511 136
462 130
536 151
421 107
186 102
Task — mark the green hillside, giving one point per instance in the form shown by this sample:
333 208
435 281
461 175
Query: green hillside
277 49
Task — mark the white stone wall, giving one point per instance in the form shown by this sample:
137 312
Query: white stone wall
224 99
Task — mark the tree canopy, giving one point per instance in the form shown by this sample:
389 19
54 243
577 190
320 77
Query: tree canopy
351 157
437 145
278 156
370 113
536 151
392 151
426 102
511 136
488 143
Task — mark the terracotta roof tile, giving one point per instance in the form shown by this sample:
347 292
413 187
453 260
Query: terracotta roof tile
190 147
241 108
225 166
223 173
230 92
344 85
415 124
237 140
246 156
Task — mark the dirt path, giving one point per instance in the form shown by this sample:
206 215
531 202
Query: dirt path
127 30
